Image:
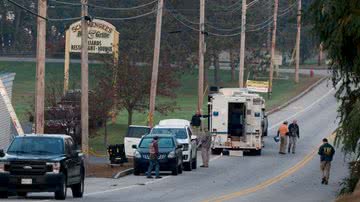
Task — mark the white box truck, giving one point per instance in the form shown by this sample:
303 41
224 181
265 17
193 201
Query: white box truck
237 120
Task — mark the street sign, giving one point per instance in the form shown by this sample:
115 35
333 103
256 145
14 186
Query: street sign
278 59
257 86
101 37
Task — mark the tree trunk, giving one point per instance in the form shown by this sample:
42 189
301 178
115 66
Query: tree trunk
105 134
130 115
232 65
216 70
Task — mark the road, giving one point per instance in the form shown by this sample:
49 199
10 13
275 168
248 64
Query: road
266 178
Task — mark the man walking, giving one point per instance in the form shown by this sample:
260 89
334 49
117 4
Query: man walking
326 152
153 158
294 134
205 144
283 132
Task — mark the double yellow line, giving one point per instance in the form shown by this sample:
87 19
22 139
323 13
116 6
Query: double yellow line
269 182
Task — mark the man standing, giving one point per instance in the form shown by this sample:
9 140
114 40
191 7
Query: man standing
153 158
294 134
283 132
326 152
205 144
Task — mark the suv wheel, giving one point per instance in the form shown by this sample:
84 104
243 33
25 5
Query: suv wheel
61 193
188 165
78 189
175 170
3 194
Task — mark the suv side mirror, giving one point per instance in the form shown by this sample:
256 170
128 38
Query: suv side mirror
134 146
179 146
2 153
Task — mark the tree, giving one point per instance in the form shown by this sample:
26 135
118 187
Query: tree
337 23
133 87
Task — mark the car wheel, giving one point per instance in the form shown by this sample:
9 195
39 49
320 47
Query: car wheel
22 194
3 194
194 163
136 171
61 193
216 151
78 189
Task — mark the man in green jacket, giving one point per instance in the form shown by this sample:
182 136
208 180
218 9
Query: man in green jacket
326 152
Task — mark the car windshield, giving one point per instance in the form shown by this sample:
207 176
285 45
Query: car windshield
180 133
36 146
163 142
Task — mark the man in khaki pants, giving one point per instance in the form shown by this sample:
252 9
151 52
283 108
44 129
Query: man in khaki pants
326 152
205 144
283 132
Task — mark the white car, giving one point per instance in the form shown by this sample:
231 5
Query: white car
182 131
133 137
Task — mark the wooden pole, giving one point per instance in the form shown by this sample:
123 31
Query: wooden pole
201 56
84 80
273 44
242 44
40 68
320 54
298 35
115 72
155 69
67 61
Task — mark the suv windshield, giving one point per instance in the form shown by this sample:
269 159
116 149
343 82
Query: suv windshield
137 132
36 145
163 142
180 133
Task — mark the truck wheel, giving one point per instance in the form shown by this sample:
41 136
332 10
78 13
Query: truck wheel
78 189
257 152
22 194
265 133
3 194
194 163
216 151
136 171
61 193
188 165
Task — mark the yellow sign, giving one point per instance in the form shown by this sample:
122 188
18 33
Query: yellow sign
101 37
257 86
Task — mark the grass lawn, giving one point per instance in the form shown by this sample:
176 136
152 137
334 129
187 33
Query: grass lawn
24 89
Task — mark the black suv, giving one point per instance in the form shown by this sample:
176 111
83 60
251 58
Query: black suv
170 154
42 163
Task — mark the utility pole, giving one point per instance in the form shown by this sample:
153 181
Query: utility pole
155 69
320 54
201 56
242 45
298 35
40 68
84 80
273 44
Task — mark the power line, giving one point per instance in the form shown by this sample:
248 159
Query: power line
129 8
128 18
66 3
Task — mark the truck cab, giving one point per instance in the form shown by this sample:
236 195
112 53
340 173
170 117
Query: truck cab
237 120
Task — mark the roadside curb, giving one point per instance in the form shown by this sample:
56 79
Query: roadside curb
124 173
302 94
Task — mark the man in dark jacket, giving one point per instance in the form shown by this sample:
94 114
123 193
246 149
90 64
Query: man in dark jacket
326 152
153 158
294 134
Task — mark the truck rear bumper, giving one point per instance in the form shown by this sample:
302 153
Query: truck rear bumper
41 183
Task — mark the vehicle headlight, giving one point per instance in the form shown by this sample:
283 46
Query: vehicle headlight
171 155
53 167
4 167
137 154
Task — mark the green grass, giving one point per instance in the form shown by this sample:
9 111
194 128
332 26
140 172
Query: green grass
24 85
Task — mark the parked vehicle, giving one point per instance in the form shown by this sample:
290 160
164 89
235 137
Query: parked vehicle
237 121
181 129
42 163
170 154
133 137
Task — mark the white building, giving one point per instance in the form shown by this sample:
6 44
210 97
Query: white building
5 122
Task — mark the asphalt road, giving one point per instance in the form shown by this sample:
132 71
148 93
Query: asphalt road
266 178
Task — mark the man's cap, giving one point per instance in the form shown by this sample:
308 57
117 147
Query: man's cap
325 140
155 137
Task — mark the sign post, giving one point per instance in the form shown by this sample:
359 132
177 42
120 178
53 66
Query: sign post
257 86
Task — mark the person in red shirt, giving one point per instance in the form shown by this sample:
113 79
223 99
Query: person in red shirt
153 158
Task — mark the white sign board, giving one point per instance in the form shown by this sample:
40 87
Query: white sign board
257 86
278 59
101 37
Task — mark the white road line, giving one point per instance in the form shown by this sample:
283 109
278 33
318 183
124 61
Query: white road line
303 110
